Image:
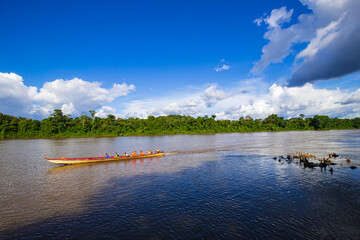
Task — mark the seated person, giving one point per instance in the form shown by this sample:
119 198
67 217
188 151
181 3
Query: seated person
149 152
141 153
157 150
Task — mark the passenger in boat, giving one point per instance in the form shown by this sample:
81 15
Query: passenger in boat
117 155
157 150
107 155
134 154
149 152
141 153
125 154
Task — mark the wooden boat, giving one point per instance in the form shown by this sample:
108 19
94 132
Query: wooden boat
64 160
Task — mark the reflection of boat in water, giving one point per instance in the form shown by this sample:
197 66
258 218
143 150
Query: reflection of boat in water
60 168
64 160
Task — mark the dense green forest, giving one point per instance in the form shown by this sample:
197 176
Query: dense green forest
60 125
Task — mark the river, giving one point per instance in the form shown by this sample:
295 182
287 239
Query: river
208 186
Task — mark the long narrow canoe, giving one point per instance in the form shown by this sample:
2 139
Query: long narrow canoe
64 160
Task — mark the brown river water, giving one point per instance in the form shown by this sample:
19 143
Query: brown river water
206 186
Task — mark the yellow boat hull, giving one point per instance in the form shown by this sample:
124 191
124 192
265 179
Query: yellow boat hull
99 159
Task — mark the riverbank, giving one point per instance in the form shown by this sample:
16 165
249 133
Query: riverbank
63 126
167 134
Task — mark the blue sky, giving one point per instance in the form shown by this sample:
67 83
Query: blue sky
140 58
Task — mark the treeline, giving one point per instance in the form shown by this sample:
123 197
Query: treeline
60 125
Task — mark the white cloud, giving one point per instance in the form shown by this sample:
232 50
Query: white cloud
104 111
213 95
222 68
278 16
223 65
331 32
308 100
276 91
76 95
68 108
354 98
121 89
258 21
191 107
188 101
15 97
253 97
292 101
324 36
276 50
71 96
257 109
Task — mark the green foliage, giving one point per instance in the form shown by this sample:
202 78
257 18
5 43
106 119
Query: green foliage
60 125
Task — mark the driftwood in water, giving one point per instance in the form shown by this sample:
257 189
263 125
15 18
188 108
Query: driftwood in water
307 160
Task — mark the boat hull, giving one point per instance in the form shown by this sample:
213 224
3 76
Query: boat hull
99 159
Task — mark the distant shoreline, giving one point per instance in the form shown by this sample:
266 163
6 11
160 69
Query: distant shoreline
175 134
58 125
